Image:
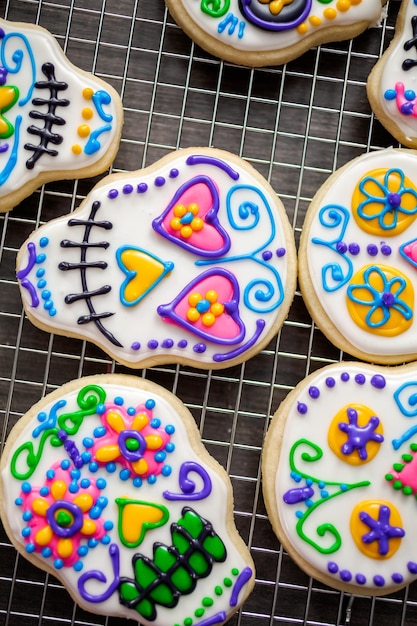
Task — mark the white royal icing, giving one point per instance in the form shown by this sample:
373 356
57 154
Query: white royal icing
332 261
219 588
314 492
69 117
244 248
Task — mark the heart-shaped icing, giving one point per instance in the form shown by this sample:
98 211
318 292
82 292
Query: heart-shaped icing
143 272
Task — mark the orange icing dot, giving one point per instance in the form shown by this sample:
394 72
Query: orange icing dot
87 113
194 299
88 93
83 130
186 232
180 210
343 5
302 28
197 224
211 296
330 14
217 308
193 315
208 319
76 148
65 548
314 20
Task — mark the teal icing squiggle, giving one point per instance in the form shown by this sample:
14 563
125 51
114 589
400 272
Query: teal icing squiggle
247 216
332 274
326 528
405 398
9 167
17 58
93 145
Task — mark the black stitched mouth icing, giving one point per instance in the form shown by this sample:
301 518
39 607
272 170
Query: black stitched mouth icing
83 265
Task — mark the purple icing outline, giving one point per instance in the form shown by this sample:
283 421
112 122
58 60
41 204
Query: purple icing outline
241 581
252 17
31 247
209 218
231 307
187 485
202 159
100 576
218 618
219 358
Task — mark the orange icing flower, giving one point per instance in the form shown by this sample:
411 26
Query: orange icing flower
186 220
207 309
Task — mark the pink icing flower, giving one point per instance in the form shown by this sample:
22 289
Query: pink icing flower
63 513
133 439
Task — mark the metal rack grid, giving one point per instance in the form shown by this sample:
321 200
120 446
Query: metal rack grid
295 124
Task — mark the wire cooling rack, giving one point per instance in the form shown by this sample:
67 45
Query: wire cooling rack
295 124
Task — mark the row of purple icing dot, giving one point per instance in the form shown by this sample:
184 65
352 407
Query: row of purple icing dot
153 344
354 248
379 581
377 380
267 254
141 187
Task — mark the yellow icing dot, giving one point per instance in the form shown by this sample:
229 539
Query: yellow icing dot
84 501
140 421
382 204
217 308
89 527
193 208
211 296
355 2
377 303
360 529
208 318
337 438
88 93
40 506
194 299
180 210
44 536
193 315
76 148
58 489
197 224
186 232
83 130
314 20
343 5
87 113
302 28
140 467
330 13
106 454
175 223
65 548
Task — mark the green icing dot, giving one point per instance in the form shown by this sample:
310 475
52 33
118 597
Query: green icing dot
132 444
219 591
64 518
207 601
227 582
407 491
389 476
235 571
397 484
188 621
199 612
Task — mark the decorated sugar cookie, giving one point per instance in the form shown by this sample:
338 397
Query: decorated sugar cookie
191 260
269 32
339 476
56 121
106 485
358 257
392 84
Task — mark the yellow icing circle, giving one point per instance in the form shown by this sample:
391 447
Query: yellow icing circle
380 300
83 130
330 14
337 438
383 202
76 148
360 529
314 20
88 93
302 28
343 5
87 113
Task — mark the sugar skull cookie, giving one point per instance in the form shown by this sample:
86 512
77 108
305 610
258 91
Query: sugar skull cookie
270 32
106 485
339 476
56 121
191 260
392 84
358 257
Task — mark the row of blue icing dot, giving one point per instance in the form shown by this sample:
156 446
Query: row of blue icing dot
128 188
48 303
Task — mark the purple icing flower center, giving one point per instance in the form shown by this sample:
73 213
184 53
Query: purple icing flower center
394 200
65 518
388 298
132 445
